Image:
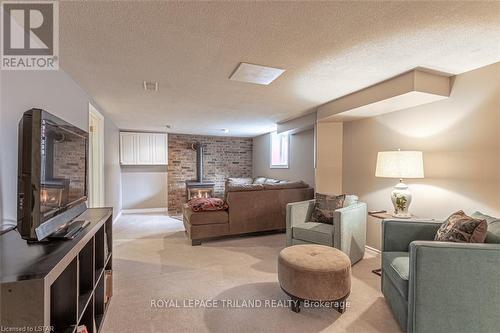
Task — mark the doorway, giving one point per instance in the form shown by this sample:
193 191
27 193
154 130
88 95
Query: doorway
96 158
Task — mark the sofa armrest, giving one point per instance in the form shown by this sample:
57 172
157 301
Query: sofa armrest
397 234
297 212
350 230
453 287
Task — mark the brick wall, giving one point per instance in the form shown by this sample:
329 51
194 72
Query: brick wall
223 157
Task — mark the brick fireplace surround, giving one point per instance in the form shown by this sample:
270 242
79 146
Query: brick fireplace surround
223 157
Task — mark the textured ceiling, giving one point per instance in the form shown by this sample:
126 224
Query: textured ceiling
328 49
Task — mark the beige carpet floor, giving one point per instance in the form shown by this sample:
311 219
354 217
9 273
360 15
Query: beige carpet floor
153 261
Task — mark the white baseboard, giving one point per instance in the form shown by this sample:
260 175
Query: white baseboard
369 248
117 217
145 210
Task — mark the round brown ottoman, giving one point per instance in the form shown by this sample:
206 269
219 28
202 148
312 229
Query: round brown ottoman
315 273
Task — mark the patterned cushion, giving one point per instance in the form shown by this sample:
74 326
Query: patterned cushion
206 204
322 215
325 206
462 229
331 202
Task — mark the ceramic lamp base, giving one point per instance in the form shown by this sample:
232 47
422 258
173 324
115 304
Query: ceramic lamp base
401 199
402 216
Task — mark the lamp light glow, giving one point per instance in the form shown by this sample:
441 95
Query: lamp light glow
400 164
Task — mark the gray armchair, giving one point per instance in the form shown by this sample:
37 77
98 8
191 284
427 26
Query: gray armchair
348 232
435 286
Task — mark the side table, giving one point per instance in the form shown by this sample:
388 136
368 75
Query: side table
380 216
383 216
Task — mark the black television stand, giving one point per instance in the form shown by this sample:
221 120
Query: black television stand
60 285
70 230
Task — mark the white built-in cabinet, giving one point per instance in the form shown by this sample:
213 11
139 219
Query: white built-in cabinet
128 148
143 148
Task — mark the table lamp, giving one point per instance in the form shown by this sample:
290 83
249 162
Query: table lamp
400 164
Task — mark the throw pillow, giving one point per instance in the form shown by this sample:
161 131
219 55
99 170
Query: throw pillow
489 219
331 202
322 215
233 180
271 181
462 229
325 206
206 204
259 180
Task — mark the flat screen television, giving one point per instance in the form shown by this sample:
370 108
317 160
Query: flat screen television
52 174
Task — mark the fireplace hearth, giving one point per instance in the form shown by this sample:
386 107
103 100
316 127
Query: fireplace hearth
199 188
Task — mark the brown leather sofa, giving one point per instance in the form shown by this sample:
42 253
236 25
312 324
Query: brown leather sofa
254 206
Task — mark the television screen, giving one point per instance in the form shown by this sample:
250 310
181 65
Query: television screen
63 168
52 176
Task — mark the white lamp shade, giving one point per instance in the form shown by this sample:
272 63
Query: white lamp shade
400 164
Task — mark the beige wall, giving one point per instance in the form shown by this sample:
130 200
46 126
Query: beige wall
144 187
329 158
301 158
460 138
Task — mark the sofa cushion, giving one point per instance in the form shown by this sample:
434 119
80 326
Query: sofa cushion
259 180
271 181
493 233
202 218
313 232
234 180
489 219
396 265
462 229
286 185
233 187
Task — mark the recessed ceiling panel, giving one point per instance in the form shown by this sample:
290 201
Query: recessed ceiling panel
257 74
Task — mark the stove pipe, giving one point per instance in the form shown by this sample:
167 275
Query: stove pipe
199 161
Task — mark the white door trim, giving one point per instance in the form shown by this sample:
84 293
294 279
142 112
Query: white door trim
96 158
